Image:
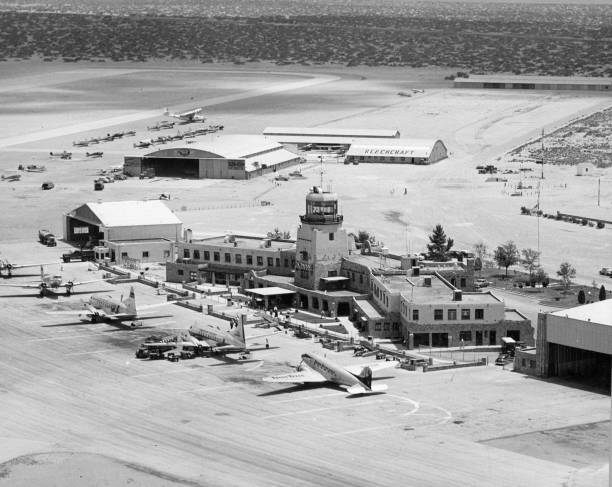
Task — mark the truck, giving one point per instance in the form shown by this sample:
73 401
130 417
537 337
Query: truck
82 255
47 238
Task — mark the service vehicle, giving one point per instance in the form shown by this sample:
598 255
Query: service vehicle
47 185
81 255
47 238
480 283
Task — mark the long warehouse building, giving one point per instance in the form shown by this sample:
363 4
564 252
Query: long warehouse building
534 83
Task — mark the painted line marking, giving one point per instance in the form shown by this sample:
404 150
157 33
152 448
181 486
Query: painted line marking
92 352
363 430
83 335
153 374
308 398
261 362
207 389
316 410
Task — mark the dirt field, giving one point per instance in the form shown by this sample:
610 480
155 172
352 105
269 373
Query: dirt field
75 398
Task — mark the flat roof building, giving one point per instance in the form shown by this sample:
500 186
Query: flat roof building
216 157
534 83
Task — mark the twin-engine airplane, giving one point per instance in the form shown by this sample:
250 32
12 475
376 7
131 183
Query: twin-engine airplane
220 340
188 116
99 309
49 283
7 266
355 379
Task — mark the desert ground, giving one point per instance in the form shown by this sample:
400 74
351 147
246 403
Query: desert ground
75 400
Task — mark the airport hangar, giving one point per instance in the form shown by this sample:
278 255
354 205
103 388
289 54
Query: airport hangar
219 157
534 83
124 232
361 145
575 342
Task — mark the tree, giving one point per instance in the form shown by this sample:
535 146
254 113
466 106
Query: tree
542 277
581 297
530 260
506 255
602 293
480 250
440 244
566 272
278 234
364 236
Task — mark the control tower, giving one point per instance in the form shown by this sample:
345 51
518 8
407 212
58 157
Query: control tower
321 241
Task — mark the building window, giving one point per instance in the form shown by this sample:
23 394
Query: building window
196 254
387 325
259 260
465 314
360 278
292 262
145 254
270 262
238 258
331 235
124 255
228 257
216 256
466 336
186 253
249 260
463 282
286 262
193 276
523 362
206 255
166 254
438 314
415 315
479 314
332 273
532 364
180 272
277 262
452 314
315 303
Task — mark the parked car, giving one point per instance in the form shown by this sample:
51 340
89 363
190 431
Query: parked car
48 185
480 283
606 271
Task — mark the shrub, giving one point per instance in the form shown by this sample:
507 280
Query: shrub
584 221
581 297
601 224
545 282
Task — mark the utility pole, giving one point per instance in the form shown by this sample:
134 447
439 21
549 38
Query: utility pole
598 190
542 161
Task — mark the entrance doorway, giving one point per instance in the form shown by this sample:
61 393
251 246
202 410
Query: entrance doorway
492 337
439 339
478 338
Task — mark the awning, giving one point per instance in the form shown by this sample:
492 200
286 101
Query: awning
269 291
334 278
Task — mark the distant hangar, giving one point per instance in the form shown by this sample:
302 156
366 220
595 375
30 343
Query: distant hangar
221 157
534 83
399 151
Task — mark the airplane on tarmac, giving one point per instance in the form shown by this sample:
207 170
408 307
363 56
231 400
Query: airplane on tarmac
164 124
11 177
94 154
188 116
81 143
5 265
220 340
356 379
61 155
141 144
49 283
99 309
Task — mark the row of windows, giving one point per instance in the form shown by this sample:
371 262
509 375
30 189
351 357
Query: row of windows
360 277
227 258
145 254
466 314
378 326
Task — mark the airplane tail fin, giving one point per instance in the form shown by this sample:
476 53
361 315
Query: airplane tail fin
166 112
130 302
366 376
238 328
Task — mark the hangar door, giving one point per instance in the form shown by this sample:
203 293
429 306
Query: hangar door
172 167
585 366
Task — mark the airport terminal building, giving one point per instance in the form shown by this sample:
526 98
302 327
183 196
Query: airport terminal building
217 157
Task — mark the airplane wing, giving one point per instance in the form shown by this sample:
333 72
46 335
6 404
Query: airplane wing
79 283
357 369
298 377
21 266
357 389
33 285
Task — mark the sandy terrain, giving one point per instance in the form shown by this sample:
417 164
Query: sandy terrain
78 389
